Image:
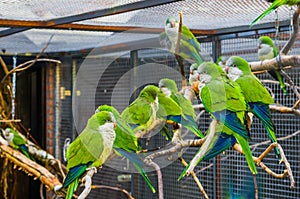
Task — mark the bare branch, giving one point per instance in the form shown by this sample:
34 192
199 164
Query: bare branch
113 188
159 177
284 109
30 167
295 33
88 183
273 64
204 147
196 180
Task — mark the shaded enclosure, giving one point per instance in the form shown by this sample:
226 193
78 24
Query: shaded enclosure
109 54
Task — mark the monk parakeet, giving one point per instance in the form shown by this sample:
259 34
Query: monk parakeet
126 142
142 111
268 50
188 116
90 149
16 141
150 105
256 95
189 46
275 4
224 100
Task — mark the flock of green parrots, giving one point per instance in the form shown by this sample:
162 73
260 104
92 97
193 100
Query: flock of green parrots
228 94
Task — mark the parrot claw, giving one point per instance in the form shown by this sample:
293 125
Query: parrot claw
93 168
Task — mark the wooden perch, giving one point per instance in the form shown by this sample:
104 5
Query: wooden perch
30 167
285 61
284 109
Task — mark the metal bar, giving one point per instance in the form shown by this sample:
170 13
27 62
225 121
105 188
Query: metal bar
85 27
95 14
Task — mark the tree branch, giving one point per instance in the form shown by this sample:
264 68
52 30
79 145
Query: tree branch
150 162
295 33
273 64
30 167
113 188
204 147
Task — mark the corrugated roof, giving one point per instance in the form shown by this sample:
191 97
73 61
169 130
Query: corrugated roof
197 15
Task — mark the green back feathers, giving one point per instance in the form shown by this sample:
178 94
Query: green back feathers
210 68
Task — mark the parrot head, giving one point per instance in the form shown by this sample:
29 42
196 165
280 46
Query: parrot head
167 86
171 22
104 117
265 40
209 71
8 134
108 108
236 66
150 92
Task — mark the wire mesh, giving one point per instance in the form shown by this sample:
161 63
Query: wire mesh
235 178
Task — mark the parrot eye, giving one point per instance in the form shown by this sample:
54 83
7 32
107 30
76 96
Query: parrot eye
234 65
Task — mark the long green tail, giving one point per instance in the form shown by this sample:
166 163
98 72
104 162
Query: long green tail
138 164
247 152
274 5
72 188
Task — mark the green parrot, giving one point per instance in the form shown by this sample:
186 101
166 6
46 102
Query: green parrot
268 50
189 46
150 105
224 100
188 116
90 149
126 142
256 95
275 4
16 141
141 113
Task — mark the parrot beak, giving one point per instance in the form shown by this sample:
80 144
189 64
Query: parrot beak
259 46
226 69
195 87
173 24
115 125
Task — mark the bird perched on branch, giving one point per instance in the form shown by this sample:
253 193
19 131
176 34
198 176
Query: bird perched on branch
90 149
268 50
224 100
256 95
275 4
188 116
189 47
126 143
16 141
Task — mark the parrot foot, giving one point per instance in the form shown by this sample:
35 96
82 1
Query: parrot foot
94 169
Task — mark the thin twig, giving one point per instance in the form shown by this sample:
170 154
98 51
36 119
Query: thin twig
177 56
196 180
32 63
113 188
